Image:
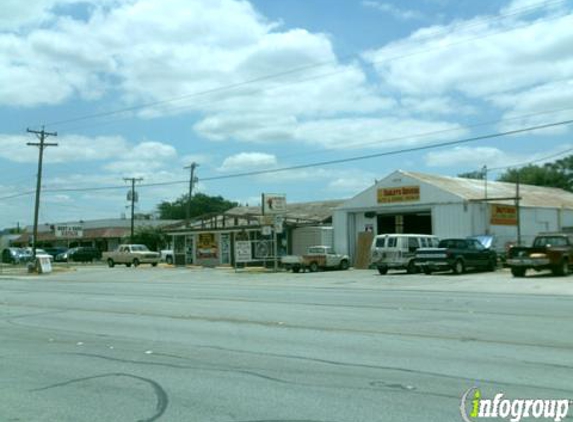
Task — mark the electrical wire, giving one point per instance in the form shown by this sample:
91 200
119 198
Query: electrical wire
301 69
331 162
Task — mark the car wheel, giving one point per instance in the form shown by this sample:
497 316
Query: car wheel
411 268
135 262
344 264
296 269
110 263
128 264
154 264
518 272
313 267
492 265
561 269
459 267
427 270
169 260
383 270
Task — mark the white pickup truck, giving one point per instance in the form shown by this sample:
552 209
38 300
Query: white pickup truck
131 254
317 257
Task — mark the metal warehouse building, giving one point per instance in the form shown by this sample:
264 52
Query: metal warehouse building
408 202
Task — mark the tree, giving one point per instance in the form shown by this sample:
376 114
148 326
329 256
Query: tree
200 204
555 175
152 237
478 174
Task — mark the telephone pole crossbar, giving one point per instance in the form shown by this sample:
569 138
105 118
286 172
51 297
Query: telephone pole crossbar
132 180
42 135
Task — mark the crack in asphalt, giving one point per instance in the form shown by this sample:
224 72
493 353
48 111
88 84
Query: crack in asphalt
160 394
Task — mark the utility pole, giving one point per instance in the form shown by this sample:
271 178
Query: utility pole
42 135
486 209
517 209
132 195
192 181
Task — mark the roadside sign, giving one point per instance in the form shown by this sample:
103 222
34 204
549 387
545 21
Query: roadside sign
274 203
68 231
243 252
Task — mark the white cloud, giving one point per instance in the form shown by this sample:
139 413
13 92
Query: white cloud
476 157
392 10
143 159
71 148
246 161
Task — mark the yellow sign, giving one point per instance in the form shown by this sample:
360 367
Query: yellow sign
503 215
399 194
207 247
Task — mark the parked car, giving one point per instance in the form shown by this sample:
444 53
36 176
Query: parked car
55 251
397 251
80 254
131 254
457 255
16 255
551 251
317 257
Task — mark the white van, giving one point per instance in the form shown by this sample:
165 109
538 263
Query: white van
397 251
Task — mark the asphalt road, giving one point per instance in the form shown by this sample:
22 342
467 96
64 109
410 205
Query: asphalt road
164 344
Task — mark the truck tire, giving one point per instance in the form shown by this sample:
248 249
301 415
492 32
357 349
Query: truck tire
518 272
110 263
169 259
135 262
459 267
411 268
561 269
296 268
344 264
313 267
383 270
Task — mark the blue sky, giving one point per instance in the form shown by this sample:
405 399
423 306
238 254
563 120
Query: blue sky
141 88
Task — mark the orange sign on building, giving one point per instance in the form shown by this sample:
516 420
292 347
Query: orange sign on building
399 194
503 215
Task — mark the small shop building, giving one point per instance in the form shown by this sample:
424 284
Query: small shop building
410 202
214 240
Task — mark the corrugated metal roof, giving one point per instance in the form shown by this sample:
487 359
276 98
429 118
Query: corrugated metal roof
310 211
473 189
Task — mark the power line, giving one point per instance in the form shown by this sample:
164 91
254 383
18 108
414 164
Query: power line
533 161
309 66
332 162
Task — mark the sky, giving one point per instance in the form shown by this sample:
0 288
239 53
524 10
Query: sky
143 88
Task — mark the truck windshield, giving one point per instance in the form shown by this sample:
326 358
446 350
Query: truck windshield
549 241
139 248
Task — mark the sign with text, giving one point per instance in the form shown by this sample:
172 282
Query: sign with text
274 203
243 251
398 194
66 231
207 246
503 215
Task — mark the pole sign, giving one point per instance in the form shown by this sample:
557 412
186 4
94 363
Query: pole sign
66 231
274 203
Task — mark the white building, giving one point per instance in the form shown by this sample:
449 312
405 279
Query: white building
408 202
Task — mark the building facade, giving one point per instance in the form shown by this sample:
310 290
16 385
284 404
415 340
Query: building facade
409 202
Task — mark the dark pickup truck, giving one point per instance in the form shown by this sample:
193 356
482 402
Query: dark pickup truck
549 252
457 255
